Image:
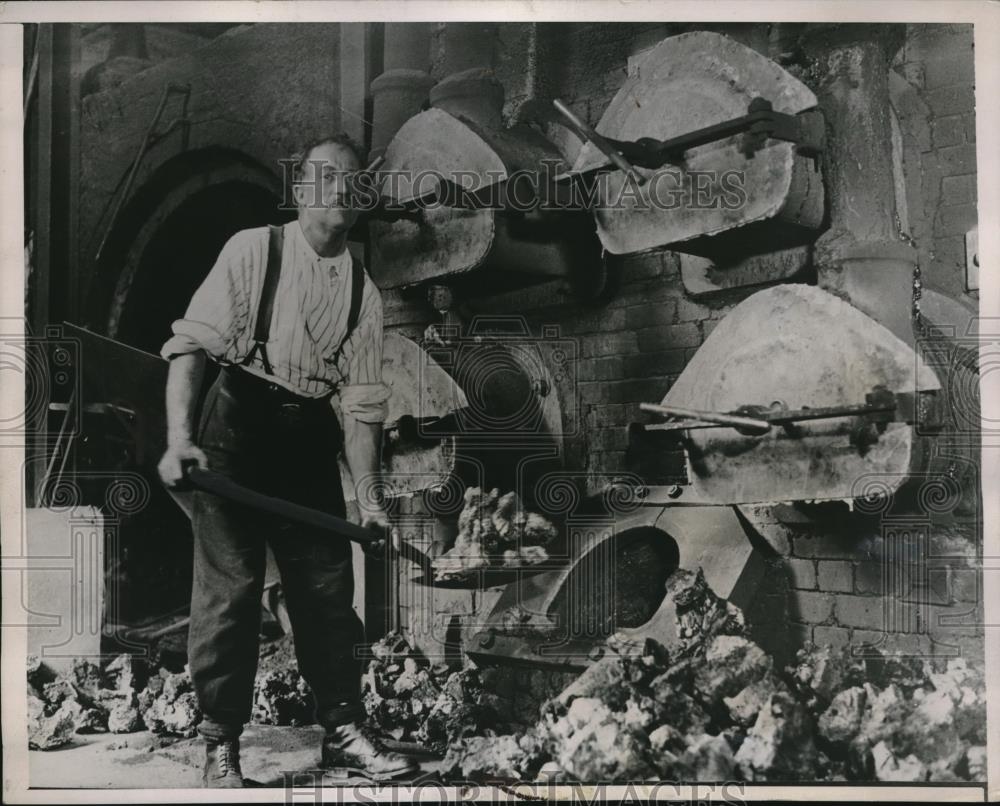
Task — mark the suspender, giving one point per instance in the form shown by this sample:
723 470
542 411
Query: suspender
265 309
354 312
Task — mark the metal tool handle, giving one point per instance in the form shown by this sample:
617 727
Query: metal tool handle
374 165
225 487
881 406
720 418
606 148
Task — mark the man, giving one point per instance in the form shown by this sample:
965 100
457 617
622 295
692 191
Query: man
269 423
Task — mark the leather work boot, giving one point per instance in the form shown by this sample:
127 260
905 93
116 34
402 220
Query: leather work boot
355 748
222 765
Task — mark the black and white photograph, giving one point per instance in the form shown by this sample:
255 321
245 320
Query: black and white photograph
445 402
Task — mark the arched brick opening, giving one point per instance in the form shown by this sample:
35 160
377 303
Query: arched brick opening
169 236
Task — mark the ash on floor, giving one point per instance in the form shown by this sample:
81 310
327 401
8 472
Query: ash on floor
146 760
714 706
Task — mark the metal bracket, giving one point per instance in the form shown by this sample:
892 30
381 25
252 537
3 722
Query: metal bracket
869 420
865 425
807 129
761 123
881 406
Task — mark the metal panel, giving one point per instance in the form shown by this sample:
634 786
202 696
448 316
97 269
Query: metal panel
63 584
445 240
686 83
444 243
710 538
421 392
807 348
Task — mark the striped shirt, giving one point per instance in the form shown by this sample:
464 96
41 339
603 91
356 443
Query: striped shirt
311 308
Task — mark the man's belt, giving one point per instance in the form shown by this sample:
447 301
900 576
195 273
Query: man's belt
262 391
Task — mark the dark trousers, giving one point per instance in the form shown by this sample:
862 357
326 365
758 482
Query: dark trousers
282 445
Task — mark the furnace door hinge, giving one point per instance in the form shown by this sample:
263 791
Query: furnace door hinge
806 129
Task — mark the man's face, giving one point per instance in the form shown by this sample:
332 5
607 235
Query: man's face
321 193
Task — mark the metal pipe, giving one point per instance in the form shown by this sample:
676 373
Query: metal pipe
402 88
465 56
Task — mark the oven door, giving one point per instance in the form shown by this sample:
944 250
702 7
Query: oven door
798 347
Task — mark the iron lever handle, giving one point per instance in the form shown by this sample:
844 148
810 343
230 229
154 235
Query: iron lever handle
749 424
760 123
610 148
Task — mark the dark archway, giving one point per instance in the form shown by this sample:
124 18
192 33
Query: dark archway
178 256
242 193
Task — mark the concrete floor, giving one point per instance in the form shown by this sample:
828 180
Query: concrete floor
146 761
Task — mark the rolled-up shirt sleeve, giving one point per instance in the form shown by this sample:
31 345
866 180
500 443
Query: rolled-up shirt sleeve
365 396
218 309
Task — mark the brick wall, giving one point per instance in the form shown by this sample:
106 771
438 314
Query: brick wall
939 133
903 582
631 349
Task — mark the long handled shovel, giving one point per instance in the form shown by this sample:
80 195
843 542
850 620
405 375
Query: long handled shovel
225 487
